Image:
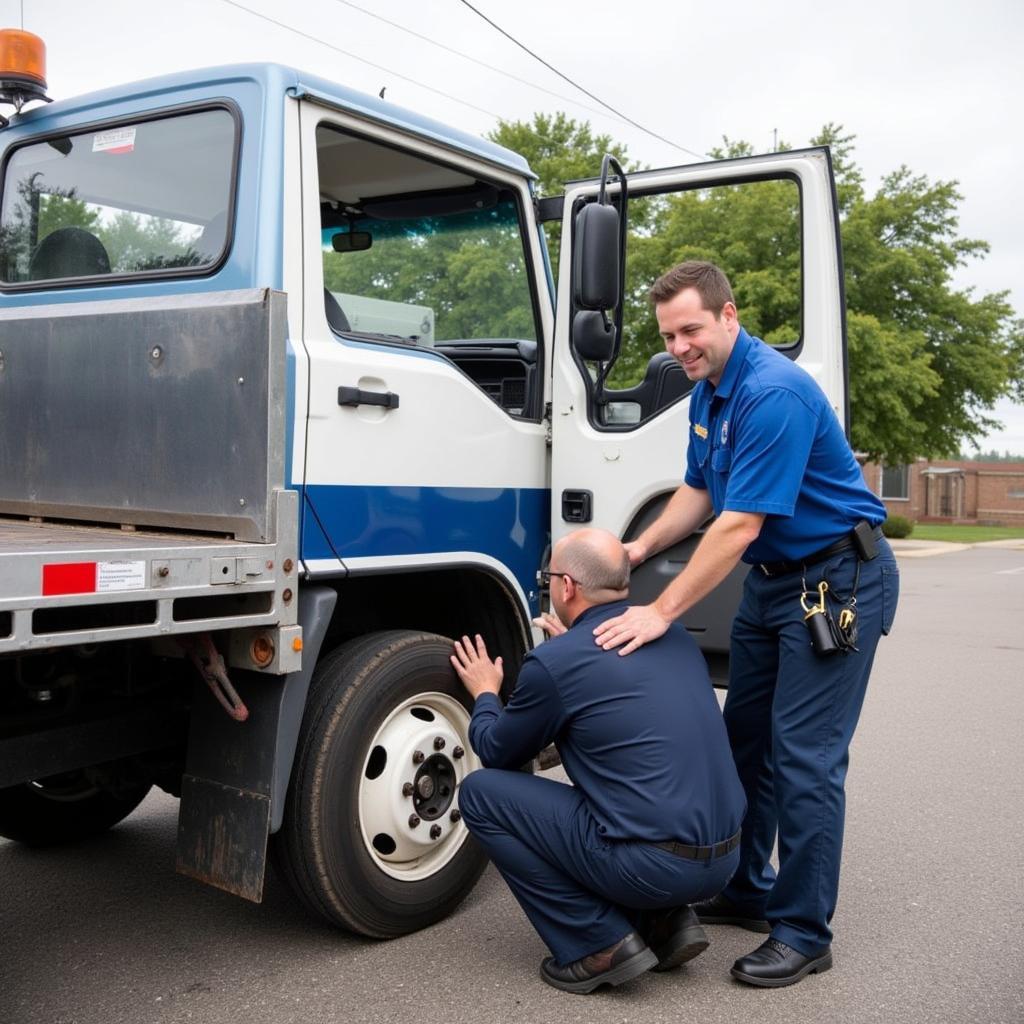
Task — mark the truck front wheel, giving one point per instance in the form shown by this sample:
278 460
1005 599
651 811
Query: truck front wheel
372 838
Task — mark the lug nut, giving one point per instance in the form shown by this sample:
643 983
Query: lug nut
439 743
435 831
407 789
414 820
417 757
457 752
456 815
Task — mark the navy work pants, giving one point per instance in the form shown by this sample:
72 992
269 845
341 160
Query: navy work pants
580 891
791 714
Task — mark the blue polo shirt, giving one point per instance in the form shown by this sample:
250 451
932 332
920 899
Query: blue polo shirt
766 440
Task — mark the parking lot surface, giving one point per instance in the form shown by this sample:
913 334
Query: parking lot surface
930 925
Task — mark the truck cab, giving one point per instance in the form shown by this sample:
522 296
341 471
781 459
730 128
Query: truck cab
289 398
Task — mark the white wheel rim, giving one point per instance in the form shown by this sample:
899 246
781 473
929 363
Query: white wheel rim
435 726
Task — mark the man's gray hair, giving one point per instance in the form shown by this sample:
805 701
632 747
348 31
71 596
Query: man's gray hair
591 567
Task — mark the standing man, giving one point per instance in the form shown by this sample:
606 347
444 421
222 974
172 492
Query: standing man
767 455
652 821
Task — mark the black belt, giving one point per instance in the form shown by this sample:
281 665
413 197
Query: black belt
701 852
841 545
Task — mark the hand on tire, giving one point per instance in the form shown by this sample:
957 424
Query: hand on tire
476 670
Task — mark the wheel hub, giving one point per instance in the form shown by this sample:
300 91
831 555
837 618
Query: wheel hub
434 787
408 809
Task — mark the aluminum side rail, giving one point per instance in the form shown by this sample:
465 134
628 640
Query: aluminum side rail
64 584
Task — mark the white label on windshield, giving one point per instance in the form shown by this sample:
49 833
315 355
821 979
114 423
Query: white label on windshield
120 576
118 140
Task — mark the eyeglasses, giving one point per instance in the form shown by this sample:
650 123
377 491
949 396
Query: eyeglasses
544 577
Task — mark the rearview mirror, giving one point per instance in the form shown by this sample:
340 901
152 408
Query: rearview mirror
351 241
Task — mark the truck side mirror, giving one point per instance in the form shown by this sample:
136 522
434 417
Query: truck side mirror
596 249
593 335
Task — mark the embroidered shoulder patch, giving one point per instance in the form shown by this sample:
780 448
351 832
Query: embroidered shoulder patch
701 432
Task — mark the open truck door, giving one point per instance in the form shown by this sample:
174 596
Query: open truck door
619 439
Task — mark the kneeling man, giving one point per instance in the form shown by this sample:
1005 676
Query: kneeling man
605 869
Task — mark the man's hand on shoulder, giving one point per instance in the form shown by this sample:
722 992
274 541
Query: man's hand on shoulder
636 626
476 670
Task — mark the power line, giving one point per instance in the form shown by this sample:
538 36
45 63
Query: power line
576 85
397 74
379 67
479 63
362 60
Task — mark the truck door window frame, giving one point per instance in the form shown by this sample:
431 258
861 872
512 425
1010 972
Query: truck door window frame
533 409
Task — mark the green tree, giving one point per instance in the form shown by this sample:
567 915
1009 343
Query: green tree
59 211
142 242
559 149
928 360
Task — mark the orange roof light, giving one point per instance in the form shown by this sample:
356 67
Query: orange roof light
22 64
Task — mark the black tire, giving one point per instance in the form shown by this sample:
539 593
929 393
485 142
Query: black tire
65 808
321 850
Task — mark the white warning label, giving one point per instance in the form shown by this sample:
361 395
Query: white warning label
120 576
118 140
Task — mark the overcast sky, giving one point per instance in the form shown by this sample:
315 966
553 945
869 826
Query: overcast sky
935 86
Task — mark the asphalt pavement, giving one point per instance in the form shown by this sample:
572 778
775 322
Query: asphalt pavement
930 925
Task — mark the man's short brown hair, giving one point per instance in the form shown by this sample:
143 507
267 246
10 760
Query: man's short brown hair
705 278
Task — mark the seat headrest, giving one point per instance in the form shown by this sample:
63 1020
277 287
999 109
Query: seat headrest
69 252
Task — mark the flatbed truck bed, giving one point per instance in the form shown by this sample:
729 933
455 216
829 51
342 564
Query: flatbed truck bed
77 584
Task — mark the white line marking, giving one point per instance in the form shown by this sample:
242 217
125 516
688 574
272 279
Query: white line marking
1011 572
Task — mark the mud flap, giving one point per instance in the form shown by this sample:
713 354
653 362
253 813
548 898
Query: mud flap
224 818
222 836
236 773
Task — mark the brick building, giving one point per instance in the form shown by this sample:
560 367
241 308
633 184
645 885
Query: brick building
951 491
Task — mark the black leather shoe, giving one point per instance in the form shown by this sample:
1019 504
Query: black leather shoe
719 910
675 936
774 964
620 962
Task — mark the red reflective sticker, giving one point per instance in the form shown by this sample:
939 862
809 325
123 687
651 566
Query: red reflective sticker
69 578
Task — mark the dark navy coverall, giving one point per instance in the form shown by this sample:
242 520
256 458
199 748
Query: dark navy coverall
643 741
767 440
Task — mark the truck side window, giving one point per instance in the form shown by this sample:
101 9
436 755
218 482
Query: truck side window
419 254
142 198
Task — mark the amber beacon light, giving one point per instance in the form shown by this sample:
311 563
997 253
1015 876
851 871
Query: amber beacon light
22 67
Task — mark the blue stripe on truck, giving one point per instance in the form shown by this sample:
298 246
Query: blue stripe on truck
509 524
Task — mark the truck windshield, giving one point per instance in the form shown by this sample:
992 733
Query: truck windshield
146 198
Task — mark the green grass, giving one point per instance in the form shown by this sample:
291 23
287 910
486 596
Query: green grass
965 534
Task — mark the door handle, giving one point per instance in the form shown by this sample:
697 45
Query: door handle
356 396
577 506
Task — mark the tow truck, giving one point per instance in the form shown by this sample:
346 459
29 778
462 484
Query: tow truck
240 523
